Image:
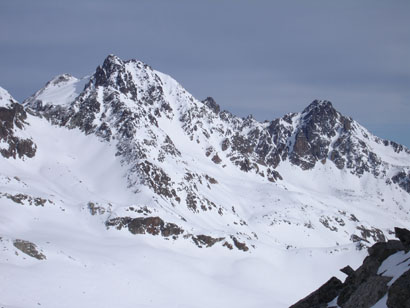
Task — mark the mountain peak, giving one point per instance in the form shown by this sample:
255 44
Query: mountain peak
111 65
61 90
319 130
5 98
63 78
112 61
322 113
319 105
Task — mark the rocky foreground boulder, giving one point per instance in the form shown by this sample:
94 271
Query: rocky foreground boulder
383 278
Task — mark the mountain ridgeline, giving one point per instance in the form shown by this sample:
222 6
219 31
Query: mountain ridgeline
124 178
157 127
123 96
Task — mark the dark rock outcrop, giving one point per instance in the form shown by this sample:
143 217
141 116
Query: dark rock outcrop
403 180
13 117
404 236
210 102
371 234
321 296
29 249
364 287
145 225
362 277
239 245
399 292
113 73
347 270
206 240
26 199
367 293
157 226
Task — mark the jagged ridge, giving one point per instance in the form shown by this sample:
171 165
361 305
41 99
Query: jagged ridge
134 176
150 119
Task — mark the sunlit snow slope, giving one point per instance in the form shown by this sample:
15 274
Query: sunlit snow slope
121 189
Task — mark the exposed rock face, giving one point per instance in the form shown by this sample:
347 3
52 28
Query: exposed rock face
364 287
313 136
403 180
157 179
210 102
12 119
95 209
206 240
368 293
347 270
143 225
404 236
156 226
321 133
321 296
367 234
29 249
399 294
239 245
22 199
366 278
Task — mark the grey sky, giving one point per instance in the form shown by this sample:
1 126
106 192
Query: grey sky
264 58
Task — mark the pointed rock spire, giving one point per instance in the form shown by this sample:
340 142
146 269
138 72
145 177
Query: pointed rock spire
210 102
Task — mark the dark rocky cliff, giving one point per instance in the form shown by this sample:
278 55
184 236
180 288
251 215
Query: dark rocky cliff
371 282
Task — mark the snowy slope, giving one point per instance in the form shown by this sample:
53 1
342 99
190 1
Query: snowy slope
5 98
138 193
61 90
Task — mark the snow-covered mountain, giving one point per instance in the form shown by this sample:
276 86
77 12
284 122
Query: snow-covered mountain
124 173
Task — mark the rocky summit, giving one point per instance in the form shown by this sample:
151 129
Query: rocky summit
124 169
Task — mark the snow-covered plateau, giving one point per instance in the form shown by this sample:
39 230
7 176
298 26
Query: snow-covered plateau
121 189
